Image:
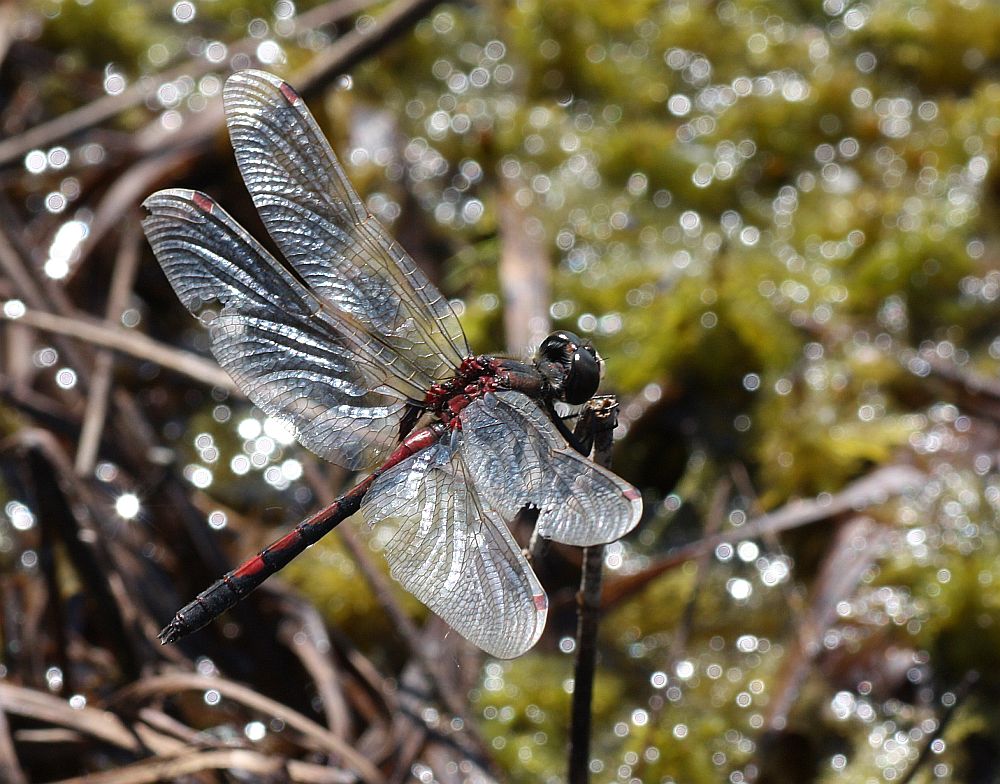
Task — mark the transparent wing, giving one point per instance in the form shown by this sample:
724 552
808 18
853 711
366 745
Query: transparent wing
517 458
455 554
325 232
271 335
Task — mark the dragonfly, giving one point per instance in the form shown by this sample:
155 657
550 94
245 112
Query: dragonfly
347 341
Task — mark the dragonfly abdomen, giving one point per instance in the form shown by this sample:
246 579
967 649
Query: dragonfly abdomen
227 591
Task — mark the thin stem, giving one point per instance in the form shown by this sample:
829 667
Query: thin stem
873 488
951 700
597 421
129 342
100 388
106 107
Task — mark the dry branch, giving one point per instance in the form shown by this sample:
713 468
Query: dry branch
248 762
859 542
320 737
524 270
874 488
108 107
100 388
100 724
132 343
305 636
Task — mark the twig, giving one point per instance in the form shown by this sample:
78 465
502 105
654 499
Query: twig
37 290
38 706
49 736
132 432
599 418
133 343
13 268
525 271
858 543
43 409
100 386
958 696
874 488
160 744
585 665
382 589
424 738
367 675
109 106
361 42
22 259
70 507
168 725
267 767
158 686
306 638
10 768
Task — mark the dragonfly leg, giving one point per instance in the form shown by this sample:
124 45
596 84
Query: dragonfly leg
580 445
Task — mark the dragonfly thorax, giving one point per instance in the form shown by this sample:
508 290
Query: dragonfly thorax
476 376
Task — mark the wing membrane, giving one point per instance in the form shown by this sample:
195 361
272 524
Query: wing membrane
517 458
325 232
455 553
272 335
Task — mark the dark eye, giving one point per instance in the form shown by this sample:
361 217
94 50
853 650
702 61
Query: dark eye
571 365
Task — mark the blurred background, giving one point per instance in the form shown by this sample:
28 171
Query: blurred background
775 220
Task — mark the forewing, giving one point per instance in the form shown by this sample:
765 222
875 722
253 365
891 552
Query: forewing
271 335
517 458
325 232
455 554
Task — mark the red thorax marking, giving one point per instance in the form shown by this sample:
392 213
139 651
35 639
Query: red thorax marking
476 376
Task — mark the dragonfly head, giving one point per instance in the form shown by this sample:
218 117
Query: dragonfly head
571 365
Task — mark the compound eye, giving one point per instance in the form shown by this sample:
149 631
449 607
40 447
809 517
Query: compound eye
579 366
556 347
584 374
